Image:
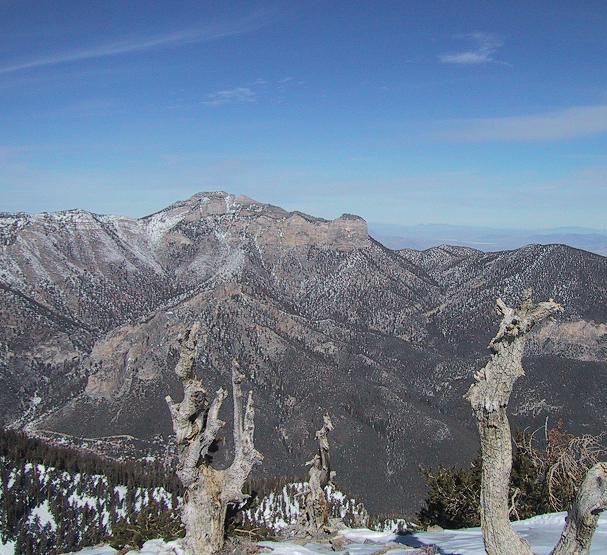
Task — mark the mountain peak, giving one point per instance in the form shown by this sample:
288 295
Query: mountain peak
217 203
271 225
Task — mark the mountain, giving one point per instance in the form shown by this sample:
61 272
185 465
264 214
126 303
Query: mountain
323 318
486 238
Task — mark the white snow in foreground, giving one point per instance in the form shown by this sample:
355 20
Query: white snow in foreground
151 547
7 548
542 532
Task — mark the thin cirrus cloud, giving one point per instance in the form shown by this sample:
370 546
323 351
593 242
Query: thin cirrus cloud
486 46
272 90
139 44
237 95
569 123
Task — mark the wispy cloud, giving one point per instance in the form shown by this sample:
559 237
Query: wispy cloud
273 90
570 123
486 46
138 44
237 95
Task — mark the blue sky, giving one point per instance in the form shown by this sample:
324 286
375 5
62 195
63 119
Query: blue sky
405 112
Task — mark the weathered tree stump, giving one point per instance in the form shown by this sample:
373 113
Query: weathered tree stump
489 397
314 518
196 424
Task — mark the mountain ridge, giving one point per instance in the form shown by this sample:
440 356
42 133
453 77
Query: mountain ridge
488 239
322 318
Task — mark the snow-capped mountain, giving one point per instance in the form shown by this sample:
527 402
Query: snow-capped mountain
322 317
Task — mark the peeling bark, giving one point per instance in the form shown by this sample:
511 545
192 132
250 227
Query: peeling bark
489 397
196 424
315 517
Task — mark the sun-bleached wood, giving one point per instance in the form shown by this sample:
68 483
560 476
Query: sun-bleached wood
196 424
489 396
315 516
583 517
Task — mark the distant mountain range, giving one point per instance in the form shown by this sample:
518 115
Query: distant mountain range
486 239
322 316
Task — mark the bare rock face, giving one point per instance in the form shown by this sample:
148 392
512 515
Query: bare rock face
579 339
298 230
91 306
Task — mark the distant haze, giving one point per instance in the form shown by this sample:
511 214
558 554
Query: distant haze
485 238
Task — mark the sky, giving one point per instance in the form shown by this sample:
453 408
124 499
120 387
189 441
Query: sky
404 112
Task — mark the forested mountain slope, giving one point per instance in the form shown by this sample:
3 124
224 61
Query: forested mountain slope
322 317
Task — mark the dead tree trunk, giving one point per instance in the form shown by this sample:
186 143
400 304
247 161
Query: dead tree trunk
583 517
489 397
196 424
316 511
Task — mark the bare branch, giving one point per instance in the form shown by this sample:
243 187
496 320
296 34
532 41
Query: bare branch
245 454
489 396
196 424
493 383
519 321
323 451
213 423
569 465
188 341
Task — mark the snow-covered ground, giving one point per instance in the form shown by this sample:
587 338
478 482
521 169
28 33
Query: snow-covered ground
152 547
542 532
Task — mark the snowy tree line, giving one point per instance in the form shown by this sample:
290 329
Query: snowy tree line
54 499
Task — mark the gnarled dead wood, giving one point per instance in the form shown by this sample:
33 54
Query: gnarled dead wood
489 397
196 424
314 517
583 517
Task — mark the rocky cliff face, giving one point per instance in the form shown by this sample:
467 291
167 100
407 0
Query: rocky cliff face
322 316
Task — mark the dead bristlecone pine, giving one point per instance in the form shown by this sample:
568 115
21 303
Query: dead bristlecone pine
314 518
489 397
196 423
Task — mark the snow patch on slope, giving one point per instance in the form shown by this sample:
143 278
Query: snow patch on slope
43 513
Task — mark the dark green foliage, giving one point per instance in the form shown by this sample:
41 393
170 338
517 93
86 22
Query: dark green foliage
92 500
20 448
453 497
278 500
88 498
535 485
528 485
237 525
149 524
